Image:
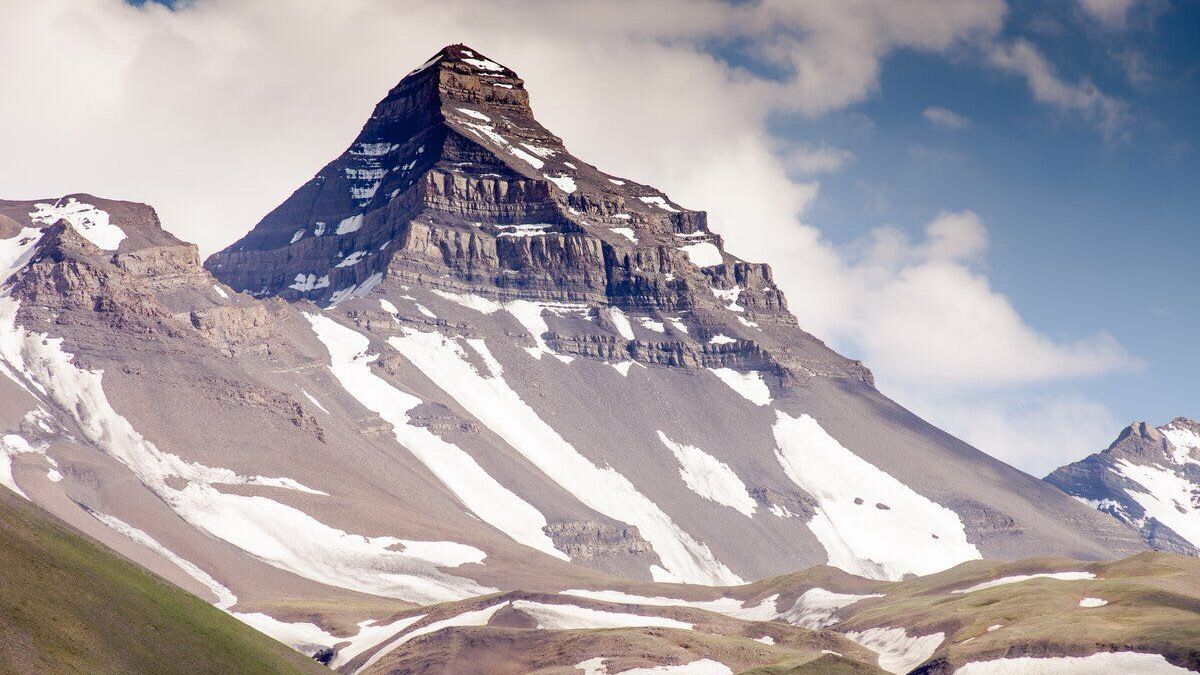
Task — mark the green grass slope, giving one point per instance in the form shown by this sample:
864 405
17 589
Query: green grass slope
71 605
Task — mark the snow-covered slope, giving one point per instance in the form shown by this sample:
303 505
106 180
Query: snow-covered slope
462 360
1148 478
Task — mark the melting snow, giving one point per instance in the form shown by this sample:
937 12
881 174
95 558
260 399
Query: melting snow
309 282
614 181
296 237
660 203
474 113
572 617
1093 602
357 290
721 340
766 640
1101 663
525 230
1185 441
471 301
650 324
351 224
1166 496
678 324
490 400
352 259
564 182
912 535
709 477
1018 578
815 608
750 385
225 597
89 221
898 653
763 611
626 232
485 64
703 253
220 291
479 617
730 298
483 495
545 153
314 401
701 667
621 322
12 445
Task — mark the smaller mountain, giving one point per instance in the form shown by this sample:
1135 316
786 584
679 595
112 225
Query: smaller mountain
70 605
1149 478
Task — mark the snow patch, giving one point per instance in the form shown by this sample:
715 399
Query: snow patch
12 445
479 617
1093 602
750 385
1165 496
911 535
1101 663
710 478
898 653
659 202
490 400
314 401
351 224
352 259
626 232
1018 578
703 253
564 182
309 282
763 611
815 608
621 322
572 617
474 113
89 221
480 493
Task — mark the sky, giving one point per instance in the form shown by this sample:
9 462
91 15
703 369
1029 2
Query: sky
992 203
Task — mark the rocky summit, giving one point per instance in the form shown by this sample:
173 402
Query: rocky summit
462 362
1148 478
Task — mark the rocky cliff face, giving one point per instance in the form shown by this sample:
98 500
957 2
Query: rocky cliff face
1148 478
454 185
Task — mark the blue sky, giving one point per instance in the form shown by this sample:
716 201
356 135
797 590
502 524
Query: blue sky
1089 233
991 202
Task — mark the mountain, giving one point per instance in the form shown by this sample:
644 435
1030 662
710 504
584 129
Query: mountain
1149 479
70 605
459 362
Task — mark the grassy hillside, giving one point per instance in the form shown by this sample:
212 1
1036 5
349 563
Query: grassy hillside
71 605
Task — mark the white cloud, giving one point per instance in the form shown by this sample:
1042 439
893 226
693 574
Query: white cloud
1107 114
922 312
809 159
944 117
1038 432
215 112
1111 13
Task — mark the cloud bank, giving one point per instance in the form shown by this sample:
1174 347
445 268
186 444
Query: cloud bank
216 111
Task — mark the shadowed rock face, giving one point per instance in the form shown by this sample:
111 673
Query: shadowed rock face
468 361
1149 478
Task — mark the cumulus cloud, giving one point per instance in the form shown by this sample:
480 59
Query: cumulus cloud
215 112
1107 114
944 117
924 312
1111 13
808 158
1038 432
